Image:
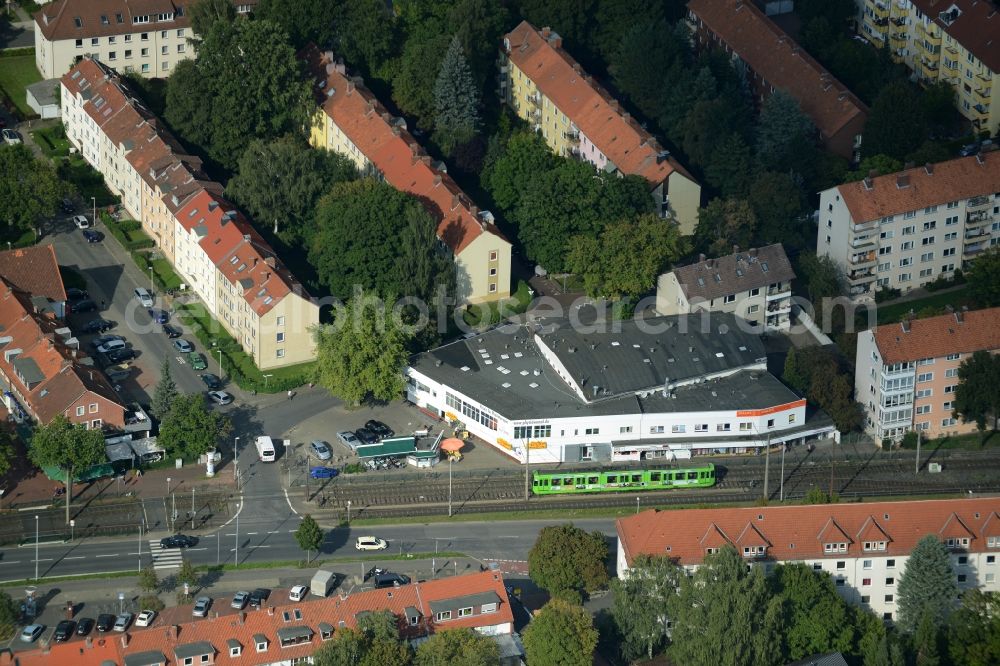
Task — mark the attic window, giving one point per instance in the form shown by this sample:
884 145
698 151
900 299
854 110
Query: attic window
701 282
242 268
763 266
286 616
77 21
104 20
268 300
718 278
233 260
119 17
297 613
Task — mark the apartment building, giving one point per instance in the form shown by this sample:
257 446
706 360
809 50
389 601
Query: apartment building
43 371
547 88
863 547
755 285
351 121
906 374
905 229
773 60
212 246
290 632
148 37
661 387
954 41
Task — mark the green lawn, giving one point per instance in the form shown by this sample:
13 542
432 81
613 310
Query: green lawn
973 441
489 312
52 141
16 74
87 181
168 279
933 304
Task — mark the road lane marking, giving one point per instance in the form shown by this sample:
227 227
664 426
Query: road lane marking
253 533
274 531
10 561
287 499
75 557
111 555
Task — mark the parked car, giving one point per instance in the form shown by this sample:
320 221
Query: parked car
374 571
81 221
93 236
197 361
145 298
171 331
220 397
321 450
74 294
84 626
110 346
322 472
31 633
105 621
380 429
348 439
122 621
97 326
298 593
366 436
145 618
11 138
258 597
211 381
121 355
201 606
159 316
370 543
240 600
67 206
64 630
104 339
390 579
183 346
178 541
86 305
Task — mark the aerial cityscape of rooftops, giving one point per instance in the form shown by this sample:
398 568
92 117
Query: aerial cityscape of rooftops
427 332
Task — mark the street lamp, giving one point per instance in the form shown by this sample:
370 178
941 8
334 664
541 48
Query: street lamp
93 200
348 513
36 546
151 278
450 459
236 561
236 456
166 505
222 371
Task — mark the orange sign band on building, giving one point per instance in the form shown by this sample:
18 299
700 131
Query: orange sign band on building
504 443
772 410
538 445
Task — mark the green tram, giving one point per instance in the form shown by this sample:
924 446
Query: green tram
611 480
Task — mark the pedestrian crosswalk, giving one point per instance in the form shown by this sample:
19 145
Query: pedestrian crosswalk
165 558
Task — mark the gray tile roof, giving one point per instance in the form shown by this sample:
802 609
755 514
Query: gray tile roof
193 649
147 658
830 659
735 273
472 600
294 633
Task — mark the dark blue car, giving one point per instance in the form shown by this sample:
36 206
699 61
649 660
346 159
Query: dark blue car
159 316
322 472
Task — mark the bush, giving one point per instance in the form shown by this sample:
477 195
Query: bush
151 602
887 294
943 283
128 226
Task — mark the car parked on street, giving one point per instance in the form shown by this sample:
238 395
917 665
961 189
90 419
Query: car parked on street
104 339
240 600
11 137
298 593
97 326
84 626
370 543
183 346
201 606
74 294
348 439
159 316
81 222
171 331
122 622
31 633
93 236
110 346
322 472
380 429
321 450
390 579
121 355
211 381
145 298
178 541
145 618
86 305
259 596
64 630
220 397
105 621
197 361
366 436
67 206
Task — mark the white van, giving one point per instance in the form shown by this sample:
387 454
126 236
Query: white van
265 449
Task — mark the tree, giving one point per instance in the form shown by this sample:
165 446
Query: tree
937 102
879 164
889 133
626 257
779 204
414 82
565 557
309 536
29 190
816 619
793 375
149 585
71 447
245 84
724 223
280 182
362 358
456 99
824 280
725 614
977 398
710 121
642 62
457 647
927 585
479 25
729 167
7 451
166 392
187 577
984 279
203 14
375 642
190 429
523 159
926 640
10 616
356 242
641 605
785 135
974 630
560 634
366 34
304 21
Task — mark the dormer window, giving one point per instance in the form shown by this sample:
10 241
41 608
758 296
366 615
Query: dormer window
753 551
840 547
442 616
957 543
711 551
260 640
235 647
993 542
488 608
465 612
874 545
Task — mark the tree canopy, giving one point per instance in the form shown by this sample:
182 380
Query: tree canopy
816 620
974 630
724 223
10 616
785 135
887 132
457 647
304 21
190 428
29 190
7 452
165 393
977 397
927 586
71 447
203 14
456 99
245 84
560 634
309 535
984 279
565 557
642 605
375 642
522 158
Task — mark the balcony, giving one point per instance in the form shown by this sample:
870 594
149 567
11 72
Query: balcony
859 278
928 69
864 241
573 136
983 95
978 218
865 226
863 260
777 293
879 10
972 250
975 234
534 99
980 112
978 202
779 306
984 77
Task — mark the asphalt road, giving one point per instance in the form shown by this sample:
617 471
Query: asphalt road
262 538
18 35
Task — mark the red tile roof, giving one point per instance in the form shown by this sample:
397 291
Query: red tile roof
920 187
35 270
244 626
385 142
800 532
57 20
977 26
771 53
934 337
616 134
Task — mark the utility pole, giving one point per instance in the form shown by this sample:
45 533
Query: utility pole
236 561
781 493
192 507
831 475
449 485
767 465
140 546
527 458
916 466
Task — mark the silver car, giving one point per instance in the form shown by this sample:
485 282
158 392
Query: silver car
240 600
201 606
349 439
321 450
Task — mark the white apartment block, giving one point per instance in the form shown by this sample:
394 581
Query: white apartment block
906 229
906 374
755 285
863 547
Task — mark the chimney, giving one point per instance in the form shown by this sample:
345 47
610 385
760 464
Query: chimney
369 107
627 116
960 317
437 179
701 258
172 632
395 131
577 68
125 639
270 261
386 117
546 31
929 168
341 68
426 159
979 159
902 181
455 201
350 87
752 252
242 617
614 104
255 262
736 248
270 610
868 182
474 210
328 56
905 324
